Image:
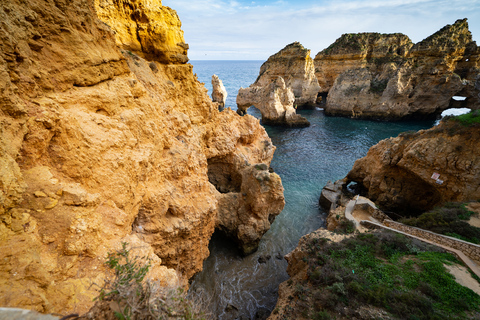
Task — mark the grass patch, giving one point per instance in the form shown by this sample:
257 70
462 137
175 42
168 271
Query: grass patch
448 220
404 277
468 119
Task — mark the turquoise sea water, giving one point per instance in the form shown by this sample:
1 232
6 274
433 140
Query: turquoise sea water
305 159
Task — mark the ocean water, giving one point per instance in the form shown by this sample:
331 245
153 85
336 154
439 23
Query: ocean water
306 159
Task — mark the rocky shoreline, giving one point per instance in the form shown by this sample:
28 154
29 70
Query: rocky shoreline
108 137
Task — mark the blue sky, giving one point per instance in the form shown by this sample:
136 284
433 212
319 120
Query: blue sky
254 30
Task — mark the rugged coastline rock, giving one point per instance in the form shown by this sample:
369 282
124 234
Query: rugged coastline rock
414 172
100 146
247 213
274 101
294 64
375 76
286 81
145 28
219 93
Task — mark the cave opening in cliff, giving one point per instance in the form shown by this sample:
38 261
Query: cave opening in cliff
224 176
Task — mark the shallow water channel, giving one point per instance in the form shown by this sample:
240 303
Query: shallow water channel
305 159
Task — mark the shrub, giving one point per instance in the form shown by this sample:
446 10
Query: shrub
468 119
402 276
131 296
448 220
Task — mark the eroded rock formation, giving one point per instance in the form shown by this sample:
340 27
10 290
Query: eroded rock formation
286 81
247 211
219 93
416 171
376 76
294 64
145 28
275 101
99 146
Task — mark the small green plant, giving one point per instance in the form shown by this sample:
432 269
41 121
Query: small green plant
450 220
132 297
389 271
468 119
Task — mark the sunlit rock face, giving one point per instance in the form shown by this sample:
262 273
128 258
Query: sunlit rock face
99 146
145 28
219 93
286 81
414 172
294 64
385 76
275 102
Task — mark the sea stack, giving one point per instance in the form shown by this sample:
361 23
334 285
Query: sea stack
219 93
286 82
386 77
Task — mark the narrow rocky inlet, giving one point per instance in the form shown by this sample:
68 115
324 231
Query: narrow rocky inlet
124 185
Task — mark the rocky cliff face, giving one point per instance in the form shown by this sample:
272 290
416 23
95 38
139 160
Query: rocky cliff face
416 171
286 81
145 28
275 101
385 77
294 64
359 51
99 145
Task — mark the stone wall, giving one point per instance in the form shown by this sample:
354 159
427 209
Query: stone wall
469 249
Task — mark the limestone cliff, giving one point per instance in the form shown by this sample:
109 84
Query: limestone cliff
275 101
386 77
294 64
100 146
145 28
416 171
358 51
290 69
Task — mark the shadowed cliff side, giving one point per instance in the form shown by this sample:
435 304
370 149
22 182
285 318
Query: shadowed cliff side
414 172
99 145
384 76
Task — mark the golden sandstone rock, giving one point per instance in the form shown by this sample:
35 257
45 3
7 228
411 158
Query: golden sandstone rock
99 146
385 76
414 172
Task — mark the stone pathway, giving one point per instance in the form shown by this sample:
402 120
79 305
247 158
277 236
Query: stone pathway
361 223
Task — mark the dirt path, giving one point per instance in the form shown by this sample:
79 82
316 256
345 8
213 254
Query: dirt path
474 220
463 277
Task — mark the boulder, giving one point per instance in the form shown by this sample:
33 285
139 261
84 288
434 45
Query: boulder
219 93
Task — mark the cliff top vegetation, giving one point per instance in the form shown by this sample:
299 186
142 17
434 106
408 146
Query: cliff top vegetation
405 278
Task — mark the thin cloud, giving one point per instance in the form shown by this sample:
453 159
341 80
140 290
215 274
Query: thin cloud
217 29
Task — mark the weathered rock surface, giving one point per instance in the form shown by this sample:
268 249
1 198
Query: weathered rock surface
247 213
358 51
294 64
219 93
297 270
145 28
399 174
100 146
275 101
375 76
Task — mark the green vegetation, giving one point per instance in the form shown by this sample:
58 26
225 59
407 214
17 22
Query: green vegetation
403 277
448 220
468 119
345 226
130 296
